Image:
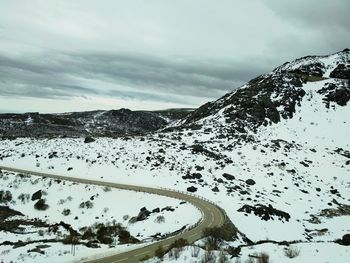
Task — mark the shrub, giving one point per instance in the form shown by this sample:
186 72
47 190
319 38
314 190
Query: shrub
71 239
87 204
88 233
41 232
179 243
145 258
66 212
160 219
5 196
125 237
291 252
208 257
258 258
105 233
41 205
263 258
159 253
107 189
214 237
222 257
225 232
250 260
195 251
176 252
24 198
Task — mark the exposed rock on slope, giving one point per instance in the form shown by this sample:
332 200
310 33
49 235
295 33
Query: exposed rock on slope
96 123
272 97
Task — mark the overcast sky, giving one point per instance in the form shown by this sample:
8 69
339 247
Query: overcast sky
65 55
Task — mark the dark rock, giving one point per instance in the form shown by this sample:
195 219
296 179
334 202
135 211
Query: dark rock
41 205
346 240
168 208
143 214
92 244
250 182
89 140
215 189
199 149
220 181
265 212
37 195
255 103
192 176
292 171
304 163
192 189
334 191
338 93
342 71
156 210
228 176
199 168
6 212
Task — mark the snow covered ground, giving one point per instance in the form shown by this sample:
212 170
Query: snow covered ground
107 206
288 181
319 252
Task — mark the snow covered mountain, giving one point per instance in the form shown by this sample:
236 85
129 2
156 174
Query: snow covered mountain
270 98
274 154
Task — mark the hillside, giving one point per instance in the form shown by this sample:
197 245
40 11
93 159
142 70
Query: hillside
93 123
273 97
274 154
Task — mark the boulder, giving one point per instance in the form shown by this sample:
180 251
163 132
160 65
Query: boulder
250 182
346 240
192 189
92 244
156 210
228 176
215 189
37 195
89 140
143 214
168 208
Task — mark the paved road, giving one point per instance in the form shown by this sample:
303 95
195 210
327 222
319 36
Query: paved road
212 216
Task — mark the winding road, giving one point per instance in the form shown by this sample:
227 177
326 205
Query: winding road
212 216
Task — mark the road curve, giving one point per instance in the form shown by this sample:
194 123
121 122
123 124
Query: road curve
212 215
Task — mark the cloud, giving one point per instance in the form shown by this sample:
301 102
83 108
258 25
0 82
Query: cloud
119 75
315 27
320 14
163 51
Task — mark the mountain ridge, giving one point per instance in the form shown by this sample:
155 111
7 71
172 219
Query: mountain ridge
271 97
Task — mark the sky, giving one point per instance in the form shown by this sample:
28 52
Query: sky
64 55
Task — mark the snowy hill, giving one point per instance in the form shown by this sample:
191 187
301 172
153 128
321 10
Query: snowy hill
96 123
274 154
270 98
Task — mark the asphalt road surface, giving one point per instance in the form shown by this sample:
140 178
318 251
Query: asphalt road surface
212 216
